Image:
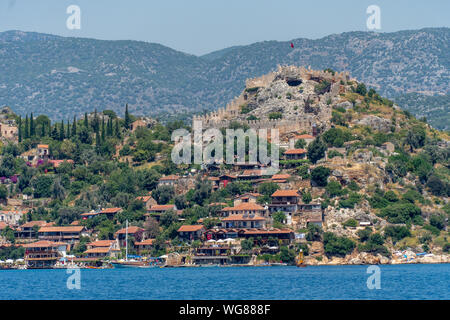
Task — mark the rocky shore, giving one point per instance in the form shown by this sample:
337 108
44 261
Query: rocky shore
364 258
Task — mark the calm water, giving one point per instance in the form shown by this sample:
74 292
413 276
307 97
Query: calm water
320 282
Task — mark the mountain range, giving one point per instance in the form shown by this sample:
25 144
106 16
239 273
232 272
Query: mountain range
64 76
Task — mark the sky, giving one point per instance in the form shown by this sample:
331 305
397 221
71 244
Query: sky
202 26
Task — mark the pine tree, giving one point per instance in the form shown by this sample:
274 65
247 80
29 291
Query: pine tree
127 118
74 126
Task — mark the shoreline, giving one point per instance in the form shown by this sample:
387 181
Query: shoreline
239 265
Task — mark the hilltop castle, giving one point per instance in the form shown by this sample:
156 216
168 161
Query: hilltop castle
288 99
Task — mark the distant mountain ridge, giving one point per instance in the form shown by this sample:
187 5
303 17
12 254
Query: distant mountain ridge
67 76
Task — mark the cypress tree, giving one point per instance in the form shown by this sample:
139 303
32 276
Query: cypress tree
20 129
86 121
117 129
103 129
32 131
68 130
74 126
54 134
61 131
97 139
43 129
109 128
127 118
27 133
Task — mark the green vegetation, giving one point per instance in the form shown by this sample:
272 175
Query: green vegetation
337 246
320 175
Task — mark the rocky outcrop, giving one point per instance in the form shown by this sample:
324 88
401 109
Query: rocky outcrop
376 123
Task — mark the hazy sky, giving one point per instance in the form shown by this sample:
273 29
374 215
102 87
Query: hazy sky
202 26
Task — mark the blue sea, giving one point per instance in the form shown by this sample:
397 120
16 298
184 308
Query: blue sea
403 282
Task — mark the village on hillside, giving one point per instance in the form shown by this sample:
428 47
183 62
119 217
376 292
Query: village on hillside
360 181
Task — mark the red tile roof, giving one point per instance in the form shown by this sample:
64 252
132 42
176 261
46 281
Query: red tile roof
295 151
44 244
268 231
219 204
147 242
252 172
111 210
31 224
240 217
170 177
281 176
98 250
62 229
101 243
162 207
244 207
285 193
144 198
131 230
304 136
89 214
190 228
57 163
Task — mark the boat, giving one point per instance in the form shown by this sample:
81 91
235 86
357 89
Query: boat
129 264
299 262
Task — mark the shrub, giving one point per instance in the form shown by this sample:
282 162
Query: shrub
247 244
334 153
353 186
400 212
275 115
303 171
361 89
334 189
306 197
351 201
323 87
437 221
300 144
364 234
435 231
279 217
396 233
335 137
350 223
